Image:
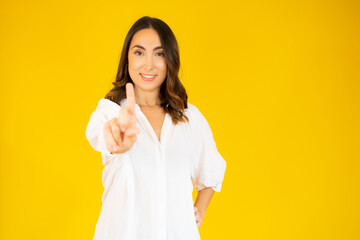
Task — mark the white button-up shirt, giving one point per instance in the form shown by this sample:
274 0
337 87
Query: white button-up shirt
148 190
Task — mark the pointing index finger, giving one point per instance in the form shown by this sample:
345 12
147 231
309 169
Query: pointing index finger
130 98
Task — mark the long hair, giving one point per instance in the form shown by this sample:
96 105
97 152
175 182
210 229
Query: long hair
173 96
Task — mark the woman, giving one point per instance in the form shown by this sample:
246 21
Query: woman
154 144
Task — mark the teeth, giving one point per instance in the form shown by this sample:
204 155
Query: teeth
147 76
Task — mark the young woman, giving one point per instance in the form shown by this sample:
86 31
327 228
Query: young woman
155 145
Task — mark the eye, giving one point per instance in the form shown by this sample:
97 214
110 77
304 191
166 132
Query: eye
138 53
161 54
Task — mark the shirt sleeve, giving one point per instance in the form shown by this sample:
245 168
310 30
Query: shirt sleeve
105 111
208 165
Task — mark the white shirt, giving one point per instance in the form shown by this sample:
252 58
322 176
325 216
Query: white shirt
148 190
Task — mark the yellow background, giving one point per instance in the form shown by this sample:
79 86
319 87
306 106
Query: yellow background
278 81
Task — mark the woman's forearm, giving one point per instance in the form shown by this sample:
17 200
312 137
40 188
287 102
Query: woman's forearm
203 199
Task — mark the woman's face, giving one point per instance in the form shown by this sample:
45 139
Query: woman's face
147 65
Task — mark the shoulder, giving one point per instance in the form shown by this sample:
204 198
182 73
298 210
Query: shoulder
192 112
198 125
196 118
107 105
106 108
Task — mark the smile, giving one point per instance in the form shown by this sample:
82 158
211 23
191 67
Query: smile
148 77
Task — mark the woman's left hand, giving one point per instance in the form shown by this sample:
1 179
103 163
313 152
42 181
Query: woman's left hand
198 216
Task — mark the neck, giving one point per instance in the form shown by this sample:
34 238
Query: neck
147 98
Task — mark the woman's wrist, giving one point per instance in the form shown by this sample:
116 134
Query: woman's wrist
201 211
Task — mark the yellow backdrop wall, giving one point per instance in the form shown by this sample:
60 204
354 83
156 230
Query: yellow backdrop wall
278 82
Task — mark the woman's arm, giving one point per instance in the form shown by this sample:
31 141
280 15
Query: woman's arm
202 201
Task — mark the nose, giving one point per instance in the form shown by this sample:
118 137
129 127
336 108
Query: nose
149 62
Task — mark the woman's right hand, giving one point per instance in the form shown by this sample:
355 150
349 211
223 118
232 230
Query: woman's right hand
120 133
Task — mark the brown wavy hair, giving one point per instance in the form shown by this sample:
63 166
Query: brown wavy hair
172 93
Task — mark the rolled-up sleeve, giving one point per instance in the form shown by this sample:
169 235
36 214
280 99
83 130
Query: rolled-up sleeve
208 168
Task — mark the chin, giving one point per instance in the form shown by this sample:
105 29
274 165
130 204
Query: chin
147 86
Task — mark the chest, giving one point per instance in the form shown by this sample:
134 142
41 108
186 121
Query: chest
172 155
156 117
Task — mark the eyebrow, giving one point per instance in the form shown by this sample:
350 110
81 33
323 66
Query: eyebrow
159 47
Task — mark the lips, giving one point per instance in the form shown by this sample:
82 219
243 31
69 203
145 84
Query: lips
147 77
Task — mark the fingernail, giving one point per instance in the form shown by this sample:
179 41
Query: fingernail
115 148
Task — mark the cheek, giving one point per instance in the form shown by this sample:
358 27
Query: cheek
161 65
132 68
135 61
134 64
